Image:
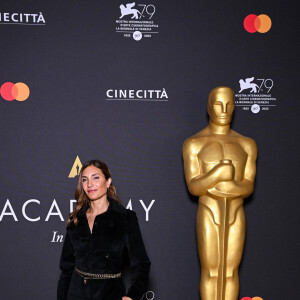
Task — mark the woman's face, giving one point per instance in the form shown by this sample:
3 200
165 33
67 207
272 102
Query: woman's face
94 183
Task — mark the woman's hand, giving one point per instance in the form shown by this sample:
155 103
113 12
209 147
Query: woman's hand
126 298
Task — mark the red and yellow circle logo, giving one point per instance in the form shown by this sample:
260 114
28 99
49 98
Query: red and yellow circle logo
254 298
254 23
14 91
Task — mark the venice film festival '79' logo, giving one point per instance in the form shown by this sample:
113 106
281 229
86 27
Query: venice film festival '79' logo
255 94
136 21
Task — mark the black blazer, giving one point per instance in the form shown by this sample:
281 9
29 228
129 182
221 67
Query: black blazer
102 251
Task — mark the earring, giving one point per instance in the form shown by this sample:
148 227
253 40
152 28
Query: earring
108 189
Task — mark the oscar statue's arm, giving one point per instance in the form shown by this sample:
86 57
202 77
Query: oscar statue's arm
243 188
197 182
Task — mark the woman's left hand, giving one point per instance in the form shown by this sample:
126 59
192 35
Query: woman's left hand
126 298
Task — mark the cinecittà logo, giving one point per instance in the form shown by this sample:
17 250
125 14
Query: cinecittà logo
136 21
137 95
254 23
77 165
14 91
22 18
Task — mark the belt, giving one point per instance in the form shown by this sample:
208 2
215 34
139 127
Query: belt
87 276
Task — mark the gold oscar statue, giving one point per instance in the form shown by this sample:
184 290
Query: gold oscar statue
220 167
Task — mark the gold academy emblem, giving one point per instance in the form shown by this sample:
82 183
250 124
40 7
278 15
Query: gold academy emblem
75 168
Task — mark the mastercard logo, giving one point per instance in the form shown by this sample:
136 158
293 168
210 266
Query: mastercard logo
14 91
254 298
254 23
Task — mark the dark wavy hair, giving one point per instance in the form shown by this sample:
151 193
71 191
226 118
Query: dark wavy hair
82 199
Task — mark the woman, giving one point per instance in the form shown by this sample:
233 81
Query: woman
100 232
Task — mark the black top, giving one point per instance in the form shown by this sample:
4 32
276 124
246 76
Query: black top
101 252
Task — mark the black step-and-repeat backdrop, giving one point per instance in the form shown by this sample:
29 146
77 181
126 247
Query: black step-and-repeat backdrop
127 82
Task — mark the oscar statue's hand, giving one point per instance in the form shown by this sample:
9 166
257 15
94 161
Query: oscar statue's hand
225 170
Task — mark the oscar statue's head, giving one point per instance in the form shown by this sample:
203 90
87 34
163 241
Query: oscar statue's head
220 105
